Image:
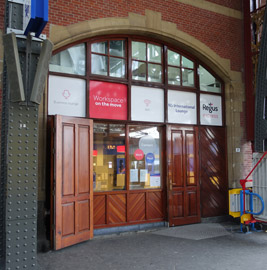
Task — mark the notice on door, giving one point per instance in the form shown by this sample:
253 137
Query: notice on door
108 100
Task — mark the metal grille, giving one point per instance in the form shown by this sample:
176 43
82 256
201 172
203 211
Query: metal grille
260 185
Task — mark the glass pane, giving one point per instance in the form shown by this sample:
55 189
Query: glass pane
208 82
188 77
145 157
154 73
187 63
71 61
109 157
99 64
139 50
100 47
116 48
174 76
154 53
190 159
116 67
138 71
177 158
173 58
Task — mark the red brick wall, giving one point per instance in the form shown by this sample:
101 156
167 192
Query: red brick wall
2 14
234 4
221 33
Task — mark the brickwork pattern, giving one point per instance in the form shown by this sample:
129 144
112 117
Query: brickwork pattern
234 4
2 14
221 33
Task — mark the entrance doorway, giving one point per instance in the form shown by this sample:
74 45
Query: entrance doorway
183 178
75 200
73 186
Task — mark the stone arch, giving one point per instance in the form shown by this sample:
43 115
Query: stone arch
151 25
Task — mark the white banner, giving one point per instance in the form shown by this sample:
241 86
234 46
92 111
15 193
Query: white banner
147 104
210 110
182 107
66 96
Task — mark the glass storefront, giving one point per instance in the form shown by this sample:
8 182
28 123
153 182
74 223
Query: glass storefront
109 157
145 157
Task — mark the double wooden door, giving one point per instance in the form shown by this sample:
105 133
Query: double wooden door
73 186
183 178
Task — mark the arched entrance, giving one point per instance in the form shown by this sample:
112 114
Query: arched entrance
149 102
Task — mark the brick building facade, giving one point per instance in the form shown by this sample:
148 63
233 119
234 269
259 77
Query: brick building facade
209 32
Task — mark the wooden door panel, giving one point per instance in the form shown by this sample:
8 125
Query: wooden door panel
117 208
177 155
137 207
83 160
183 188
68 156
100 210
68 221
155 207
192 203
73 211
213 171
177 205
84 215
190 158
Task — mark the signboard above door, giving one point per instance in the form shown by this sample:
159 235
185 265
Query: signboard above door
210 110
147 104
66 96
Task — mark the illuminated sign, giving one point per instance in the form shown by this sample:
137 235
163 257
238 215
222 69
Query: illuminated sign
121 148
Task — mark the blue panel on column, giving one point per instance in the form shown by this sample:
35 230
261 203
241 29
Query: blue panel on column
36 12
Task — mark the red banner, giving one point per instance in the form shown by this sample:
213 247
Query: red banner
108 100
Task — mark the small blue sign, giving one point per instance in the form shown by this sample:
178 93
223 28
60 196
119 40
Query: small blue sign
36 16
150 158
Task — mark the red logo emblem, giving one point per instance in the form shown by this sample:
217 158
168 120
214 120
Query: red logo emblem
147 102
138 154
66 94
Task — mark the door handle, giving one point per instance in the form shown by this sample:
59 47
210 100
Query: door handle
170 184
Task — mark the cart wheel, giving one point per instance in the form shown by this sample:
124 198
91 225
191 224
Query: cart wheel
245 229
258 226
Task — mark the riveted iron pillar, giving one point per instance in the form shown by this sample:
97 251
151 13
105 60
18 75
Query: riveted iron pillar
19 148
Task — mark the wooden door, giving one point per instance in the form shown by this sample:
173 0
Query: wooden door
213 171
73 201
183 180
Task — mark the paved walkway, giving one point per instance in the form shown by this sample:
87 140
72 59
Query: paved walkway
202 246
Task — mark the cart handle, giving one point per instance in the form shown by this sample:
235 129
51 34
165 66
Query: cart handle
262 203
